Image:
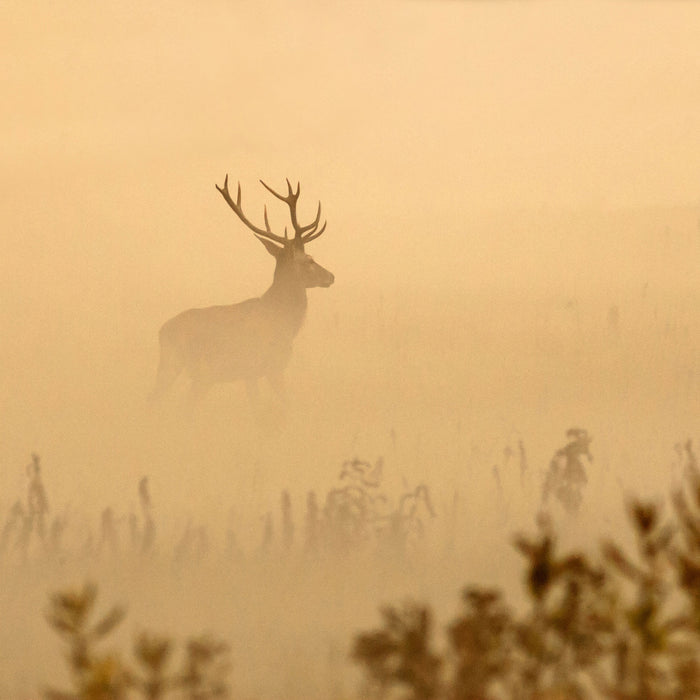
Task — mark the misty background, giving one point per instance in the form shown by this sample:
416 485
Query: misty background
513 205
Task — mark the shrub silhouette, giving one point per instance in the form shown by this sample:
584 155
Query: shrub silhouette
401 653
99 675
620 625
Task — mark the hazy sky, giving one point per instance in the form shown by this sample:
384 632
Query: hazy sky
519 103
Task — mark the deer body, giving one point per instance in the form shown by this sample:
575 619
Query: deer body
251 339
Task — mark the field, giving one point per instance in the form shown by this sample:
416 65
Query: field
468 394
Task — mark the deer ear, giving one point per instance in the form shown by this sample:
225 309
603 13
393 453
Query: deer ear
272 248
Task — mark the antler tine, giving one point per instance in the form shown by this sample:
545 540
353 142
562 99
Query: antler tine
238 210
314 223
291 197
267 223
315 234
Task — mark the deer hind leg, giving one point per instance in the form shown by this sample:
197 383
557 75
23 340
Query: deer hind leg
169 368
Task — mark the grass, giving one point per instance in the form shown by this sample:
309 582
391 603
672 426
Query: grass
618 621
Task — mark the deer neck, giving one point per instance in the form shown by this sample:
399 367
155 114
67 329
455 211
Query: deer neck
286 298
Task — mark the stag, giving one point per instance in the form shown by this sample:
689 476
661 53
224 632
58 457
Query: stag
253 338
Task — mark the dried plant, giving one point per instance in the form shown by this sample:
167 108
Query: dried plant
564 633
105 676
624 625
144 533
37 502
352 509
566 476
400 653
95 676
482 643
358 513
29 523
205 669
356 516
287 521
401 529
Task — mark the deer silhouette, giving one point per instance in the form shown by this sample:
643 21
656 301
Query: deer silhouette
253 338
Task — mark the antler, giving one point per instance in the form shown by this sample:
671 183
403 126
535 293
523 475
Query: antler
302 234
236 206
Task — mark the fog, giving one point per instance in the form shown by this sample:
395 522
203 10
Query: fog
511 190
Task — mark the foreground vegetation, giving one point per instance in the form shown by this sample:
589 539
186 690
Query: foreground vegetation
620 624
620 621
99 675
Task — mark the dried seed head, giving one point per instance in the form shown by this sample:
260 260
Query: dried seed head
644 516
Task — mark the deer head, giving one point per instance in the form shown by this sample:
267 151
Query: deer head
292 262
